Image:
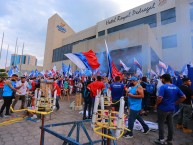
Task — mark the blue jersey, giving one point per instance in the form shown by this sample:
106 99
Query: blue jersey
134 103
170 94
7 91
117 90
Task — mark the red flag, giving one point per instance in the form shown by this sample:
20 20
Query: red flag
92 59
115 71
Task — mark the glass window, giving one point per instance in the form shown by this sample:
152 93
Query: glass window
23 59
191 14
58 54
101 33
168 16
151 20
169 42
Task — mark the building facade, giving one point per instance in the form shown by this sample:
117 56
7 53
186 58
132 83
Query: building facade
158 30
23 59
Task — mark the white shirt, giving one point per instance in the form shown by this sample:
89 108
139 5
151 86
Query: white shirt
23 89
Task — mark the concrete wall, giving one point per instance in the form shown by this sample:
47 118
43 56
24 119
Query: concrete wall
54 38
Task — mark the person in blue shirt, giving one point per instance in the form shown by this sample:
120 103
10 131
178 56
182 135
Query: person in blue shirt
169 95
117 90
135 96
9 88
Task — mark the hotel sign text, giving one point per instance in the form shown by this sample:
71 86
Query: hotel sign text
130 14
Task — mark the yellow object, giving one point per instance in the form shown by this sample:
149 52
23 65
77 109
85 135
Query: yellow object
186 130
11 121
178 126
31 111
110 122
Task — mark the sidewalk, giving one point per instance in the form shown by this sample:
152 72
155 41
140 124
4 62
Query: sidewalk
28 132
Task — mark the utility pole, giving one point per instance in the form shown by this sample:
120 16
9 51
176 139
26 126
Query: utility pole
21 57
15 52
1 45
6 57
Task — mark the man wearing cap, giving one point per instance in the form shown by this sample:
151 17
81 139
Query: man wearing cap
22 86
9 88
185 106
135 96
169 95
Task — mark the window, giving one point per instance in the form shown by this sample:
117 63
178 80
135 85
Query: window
101 33
151 20
23 59
192 41
28 59
168 16
169 41
58 54
191 14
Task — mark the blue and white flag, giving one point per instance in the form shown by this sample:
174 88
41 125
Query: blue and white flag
69 70
10 72
139 72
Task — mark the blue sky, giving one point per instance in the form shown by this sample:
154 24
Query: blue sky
27 20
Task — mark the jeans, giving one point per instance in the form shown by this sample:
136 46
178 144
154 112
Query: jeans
184 115
132 117
6 104
17 97
91 106
168 117
87 104
57 102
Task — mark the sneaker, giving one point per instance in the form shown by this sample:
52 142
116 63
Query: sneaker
7 115
127 135
160 141
186 130
178 126
146 131
34 116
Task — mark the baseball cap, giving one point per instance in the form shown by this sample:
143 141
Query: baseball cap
133 79
23 76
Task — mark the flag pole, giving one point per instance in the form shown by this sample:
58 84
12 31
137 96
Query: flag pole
21 57
6 57
1 45
15 52
107 51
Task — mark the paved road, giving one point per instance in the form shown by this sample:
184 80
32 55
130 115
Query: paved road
28 132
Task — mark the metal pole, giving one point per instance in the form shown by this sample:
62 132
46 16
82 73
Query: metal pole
1 45
42 131
6 56
15 52
21 57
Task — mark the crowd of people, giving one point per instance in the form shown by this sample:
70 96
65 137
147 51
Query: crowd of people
162 95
